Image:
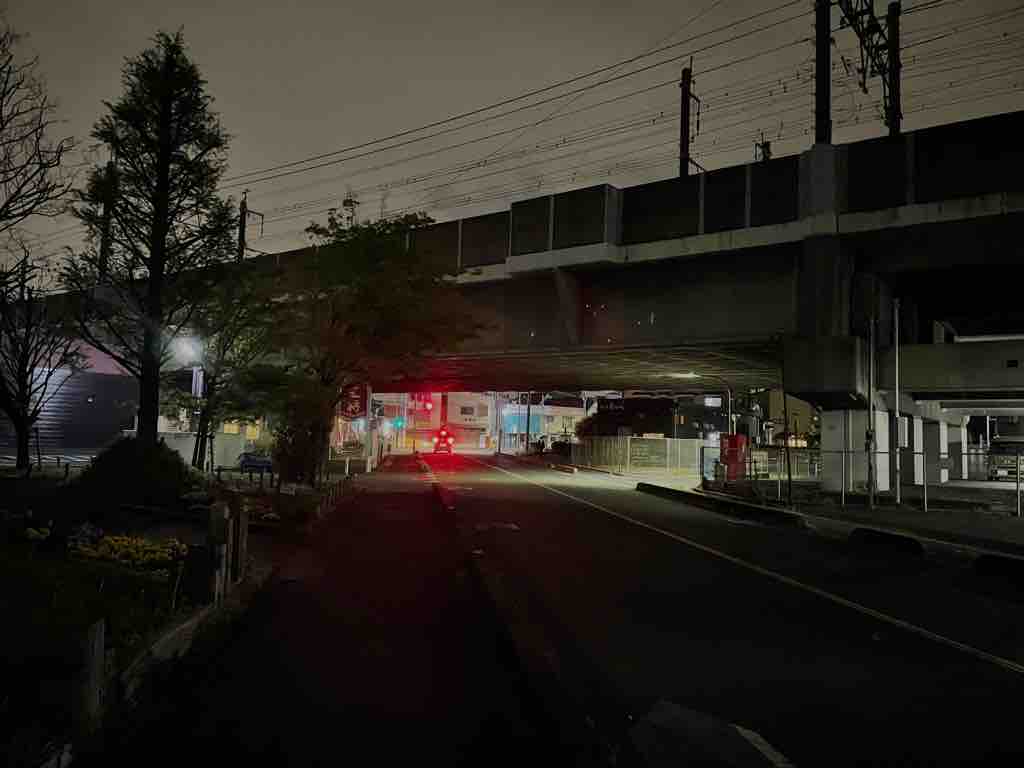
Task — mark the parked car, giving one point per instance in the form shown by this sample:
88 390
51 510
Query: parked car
255 462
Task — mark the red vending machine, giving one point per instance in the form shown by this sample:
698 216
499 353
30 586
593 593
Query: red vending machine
733 456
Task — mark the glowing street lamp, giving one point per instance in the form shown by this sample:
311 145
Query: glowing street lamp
187 350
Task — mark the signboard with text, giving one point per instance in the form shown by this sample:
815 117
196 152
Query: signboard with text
353 402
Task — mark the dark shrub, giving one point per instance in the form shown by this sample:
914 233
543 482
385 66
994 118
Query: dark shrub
129 473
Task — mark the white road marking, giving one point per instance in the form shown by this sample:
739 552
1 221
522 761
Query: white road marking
949 642
771 754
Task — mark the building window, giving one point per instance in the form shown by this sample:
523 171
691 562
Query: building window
467 410
230 428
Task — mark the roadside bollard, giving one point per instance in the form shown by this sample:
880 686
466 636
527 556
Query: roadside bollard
218 475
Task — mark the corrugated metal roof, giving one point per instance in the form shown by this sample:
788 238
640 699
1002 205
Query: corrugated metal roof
88 413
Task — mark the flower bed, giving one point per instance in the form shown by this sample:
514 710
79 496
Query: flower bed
158 558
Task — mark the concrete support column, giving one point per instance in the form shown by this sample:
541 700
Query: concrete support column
842 442
700 203
911 159
570 305
748 196
957 436
936 451
824 288
823 181
911 460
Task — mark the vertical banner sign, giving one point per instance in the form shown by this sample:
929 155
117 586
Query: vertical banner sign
353 402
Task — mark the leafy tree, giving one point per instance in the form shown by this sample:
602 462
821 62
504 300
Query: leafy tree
155 222
235 326
31 182
39 352
361 305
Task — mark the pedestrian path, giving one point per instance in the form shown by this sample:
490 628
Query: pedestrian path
371 640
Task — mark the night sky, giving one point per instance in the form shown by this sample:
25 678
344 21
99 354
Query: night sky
293 80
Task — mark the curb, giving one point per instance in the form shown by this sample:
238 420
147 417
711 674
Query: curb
569 468
739 508
878 538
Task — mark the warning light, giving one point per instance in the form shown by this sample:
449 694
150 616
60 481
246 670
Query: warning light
450 439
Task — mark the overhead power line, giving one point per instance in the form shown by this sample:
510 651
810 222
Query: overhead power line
536 92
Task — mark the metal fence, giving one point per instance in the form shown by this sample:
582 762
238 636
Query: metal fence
640 455
764 472
52 464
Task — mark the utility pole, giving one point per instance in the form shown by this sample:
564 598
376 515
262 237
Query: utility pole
350 204
894 116
823 72
243 219
786 436
869 442
243 214
109 199
529 401
686 86
896 340
686 100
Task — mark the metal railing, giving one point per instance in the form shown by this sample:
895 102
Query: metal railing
639 455
53 464
764 472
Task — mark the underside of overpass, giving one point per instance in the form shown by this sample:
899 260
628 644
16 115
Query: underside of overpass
744 364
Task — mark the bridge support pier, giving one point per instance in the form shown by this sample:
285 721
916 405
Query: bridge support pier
843 441
936 451
912 460
957 436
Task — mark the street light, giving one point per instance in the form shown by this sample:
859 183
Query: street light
186 350
728 389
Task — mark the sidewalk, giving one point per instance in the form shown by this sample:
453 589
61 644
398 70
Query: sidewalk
969 526
984 530
370 640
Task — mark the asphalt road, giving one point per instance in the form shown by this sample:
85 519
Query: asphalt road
371 646
838 655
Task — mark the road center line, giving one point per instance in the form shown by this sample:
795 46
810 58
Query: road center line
949 642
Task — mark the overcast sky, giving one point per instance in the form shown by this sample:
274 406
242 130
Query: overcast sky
296 79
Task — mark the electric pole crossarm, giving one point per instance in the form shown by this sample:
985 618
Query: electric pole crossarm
879 52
